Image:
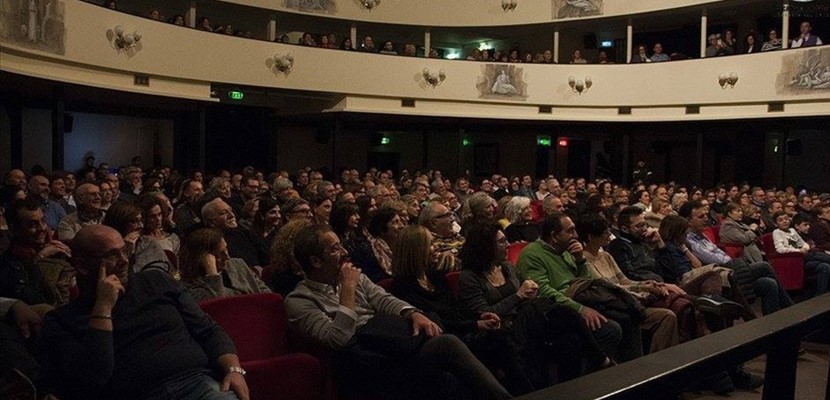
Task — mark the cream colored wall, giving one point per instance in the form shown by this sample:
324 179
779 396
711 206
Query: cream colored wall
459 13
183 62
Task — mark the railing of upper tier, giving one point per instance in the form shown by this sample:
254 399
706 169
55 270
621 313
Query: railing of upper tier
83 47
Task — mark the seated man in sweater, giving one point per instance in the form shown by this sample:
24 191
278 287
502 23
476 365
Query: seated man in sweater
553 261
133 339
338 307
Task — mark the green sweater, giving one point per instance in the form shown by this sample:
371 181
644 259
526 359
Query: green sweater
552 272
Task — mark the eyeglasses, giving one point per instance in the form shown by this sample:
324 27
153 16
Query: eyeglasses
113 256
445 215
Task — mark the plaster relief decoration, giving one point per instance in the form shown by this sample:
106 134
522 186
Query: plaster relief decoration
805 73
312 6
36 24
576 8
502 82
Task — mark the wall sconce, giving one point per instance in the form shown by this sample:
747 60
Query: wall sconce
579 86
730 80
509 5
124 41
434 79
282 63
369 4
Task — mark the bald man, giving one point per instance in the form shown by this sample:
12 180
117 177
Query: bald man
133 336
242 242
88 199
15 177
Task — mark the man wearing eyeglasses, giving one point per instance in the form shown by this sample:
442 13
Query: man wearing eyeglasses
249 190
133 338
446 242
89 212
635 245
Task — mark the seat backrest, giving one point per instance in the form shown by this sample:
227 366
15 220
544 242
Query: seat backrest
514 250
711 233
385 283
769 244
536 208
256 323
452 278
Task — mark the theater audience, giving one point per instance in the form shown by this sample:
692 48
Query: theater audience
790 240
142 252
636 246
242 242
806 37
89 212
375 260
267 220
733 231
522 228
717 47
187 213
660 322
437 218
658 55
756 278
34 268
155 224
751 44
161 344
489 283
640 56
351 318
553 262
774 43
39 191
208 271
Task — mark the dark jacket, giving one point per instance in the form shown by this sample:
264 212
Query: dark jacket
635 259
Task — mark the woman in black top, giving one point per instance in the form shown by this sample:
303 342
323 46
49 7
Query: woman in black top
421 285
546 330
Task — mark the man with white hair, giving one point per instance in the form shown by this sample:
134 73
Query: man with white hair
89 212
242 242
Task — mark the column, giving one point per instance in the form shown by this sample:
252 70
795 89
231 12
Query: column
354 37
427 42
699 159
272 29
190 17
58 125
629 41
703 24
556 45
785 25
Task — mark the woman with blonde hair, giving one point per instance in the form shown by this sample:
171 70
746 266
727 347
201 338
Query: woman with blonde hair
419 283
659 209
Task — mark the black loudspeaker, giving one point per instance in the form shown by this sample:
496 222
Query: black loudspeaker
794 147
68 121
590 41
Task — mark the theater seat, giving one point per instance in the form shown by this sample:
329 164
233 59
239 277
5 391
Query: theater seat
258 326
513 252
536 209
452 278
732 250
788 266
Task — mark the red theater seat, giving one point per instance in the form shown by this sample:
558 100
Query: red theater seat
513 252
788 266
258 326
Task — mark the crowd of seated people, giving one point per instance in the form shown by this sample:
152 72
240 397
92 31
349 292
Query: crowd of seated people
80 252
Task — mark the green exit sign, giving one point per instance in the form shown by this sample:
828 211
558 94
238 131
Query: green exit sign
385 140
543 141
466 142
235 95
